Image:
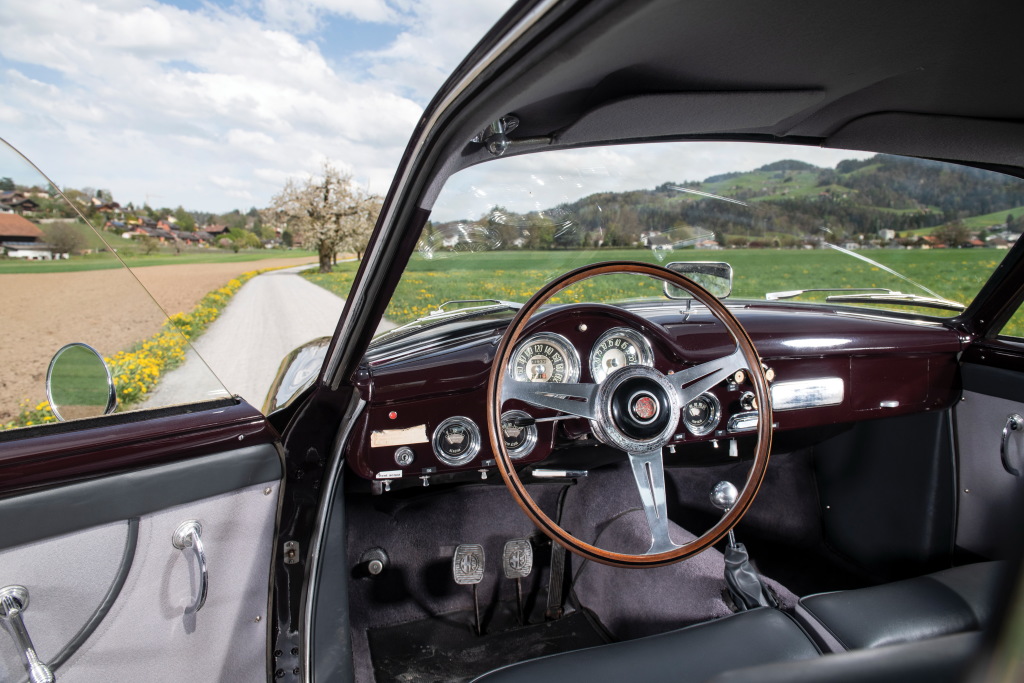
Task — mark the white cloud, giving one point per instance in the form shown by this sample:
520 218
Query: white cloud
153 101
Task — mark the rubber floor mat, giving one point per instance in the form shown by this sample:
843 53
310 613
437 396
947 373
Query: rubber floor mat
446 648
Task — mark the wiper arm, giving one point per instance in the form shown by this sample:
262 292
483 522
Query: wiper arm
789 294
898 298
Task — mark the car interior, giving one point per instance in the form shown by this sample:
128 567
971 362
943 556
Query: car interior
880 544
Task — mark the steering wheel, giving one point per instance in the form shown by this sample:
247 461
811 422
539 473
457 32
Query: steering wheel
635 409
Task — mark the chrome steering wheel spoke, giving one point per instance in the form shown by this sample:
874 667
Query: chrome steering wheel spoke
694 381
649 474
573 398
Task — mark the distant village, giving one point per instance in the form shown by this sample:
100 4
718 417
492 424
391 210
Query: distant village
23 211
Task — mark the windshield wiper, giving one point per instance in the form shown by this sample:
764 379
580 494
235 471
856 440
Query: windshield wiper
898 298
789 294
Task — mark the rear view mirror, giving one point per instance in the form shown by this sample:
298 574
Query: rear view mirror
714 276
78 383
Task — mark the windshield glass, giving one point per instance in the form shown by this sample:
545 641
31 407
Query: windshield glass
802 224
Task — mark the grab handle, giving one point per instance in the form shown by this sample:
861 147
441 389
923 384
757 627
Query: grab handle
1014 423
187 536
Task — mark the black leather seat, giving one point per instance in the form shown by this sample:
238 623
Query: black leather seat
947 659
951 601
687 655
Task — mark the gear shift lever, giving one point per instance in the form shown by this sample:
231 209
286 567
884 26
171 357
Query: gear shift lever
723 497
744 584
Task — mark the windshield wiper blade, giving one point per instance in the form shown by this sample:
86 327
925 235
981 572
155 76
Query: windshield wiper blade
789 294
898 298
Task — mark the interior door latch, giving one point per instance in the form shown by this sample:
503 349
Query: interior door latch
13 603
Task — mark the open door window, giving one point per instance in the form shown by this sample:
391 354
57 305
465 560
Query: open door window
138 496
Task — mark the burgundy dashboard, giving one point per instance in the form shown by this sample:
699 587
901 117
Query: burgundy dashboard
426 396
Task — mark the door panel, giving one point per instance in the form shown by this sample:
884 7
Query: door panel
108 589
72 580
986 490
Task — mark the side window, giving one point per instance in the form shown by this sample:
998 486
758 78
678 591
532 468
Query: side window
62 282
1014 327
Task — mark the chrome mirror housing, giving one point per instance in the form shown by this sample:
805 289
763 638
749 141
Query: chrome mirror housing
714 276
79 384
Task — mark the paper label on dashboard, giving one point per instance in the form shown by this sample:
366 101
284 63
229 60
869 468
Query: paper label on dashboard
399 437
390 474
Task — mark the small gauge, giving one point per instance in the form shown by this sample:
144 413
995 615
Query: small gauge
456 441
545 357
519 438
701 415
618 348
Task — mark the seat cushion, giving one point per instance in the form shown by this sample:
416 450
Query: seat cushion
687 655
951 601
939 660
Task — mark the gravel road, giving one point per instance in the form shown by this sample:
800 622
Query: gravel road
270 316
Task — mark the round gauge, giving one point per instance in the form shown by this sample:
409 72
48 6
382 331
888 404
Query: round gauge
545 357
618 348
701 415
456 441
519 439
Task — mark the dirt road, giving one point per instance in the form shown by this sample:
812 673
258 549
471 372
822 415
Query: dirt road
270 316
108 309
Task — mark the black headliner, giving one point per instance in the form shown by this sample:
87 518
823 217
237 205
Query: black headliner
798 70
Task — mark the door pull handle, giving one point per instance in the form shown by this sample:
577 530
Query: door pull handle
187 536
1014 423
13 603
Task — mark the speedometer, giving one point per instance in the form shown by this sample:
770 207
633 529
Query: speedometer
618 348
545 357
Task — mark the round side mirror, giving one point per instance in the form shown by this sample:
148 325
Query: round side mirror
78 383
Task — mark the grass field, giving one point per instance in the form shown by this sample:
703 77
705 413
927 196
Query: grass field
108 261
515 275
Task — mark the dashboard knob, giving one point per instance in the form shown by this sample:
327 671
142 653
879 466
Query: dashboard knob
748 401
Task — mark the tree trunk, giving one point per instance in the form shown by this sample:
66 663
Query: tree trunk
325 258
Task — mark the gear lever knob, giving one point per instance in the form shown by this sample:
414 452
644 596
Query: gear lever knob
724 495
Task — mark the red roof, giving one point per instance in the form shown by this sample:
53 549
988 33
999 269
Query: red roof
13 225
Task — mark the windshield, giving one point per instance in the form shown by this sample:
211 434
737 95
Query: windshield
803 224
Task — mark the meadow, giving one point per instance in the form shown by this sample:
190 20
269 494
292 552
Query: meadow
955 274
107 261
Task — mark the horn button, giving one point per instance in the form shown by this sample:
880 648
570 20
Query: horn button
638 410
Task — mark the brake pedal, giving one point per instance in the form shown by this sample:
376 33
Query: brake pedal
517 561
468 570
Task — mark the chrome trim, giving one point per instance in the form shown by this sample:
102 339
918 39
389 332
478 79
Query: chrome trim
603 423
471 450
807 393
111 391
642 344
743 422
572 356
1014 423
713 419
531 434
188 536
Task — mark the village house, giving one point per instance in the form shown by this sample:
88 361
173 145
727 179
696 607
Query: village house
20 238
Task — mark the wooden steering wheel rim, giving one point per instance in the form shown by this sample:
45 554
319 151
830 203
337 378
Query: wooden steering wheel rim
507 468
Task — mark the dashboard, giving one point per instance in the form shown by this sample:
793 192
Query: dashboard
425 418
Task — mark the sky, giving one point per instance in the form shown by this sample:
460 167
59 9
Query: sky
212 105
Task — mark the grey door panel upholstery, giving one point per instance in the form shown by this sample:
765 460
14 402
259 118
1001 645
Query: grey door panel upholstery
145 634
70 580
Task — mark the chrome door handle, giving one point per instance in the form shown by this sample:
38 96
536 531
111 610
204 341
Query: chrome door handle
1014 423
13 602
186 536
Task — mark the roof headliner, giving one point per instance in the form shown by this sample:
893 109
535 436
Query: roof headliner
937 78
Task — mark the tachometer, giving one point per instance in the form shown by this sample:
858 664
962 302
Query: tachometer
545 357
618 348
